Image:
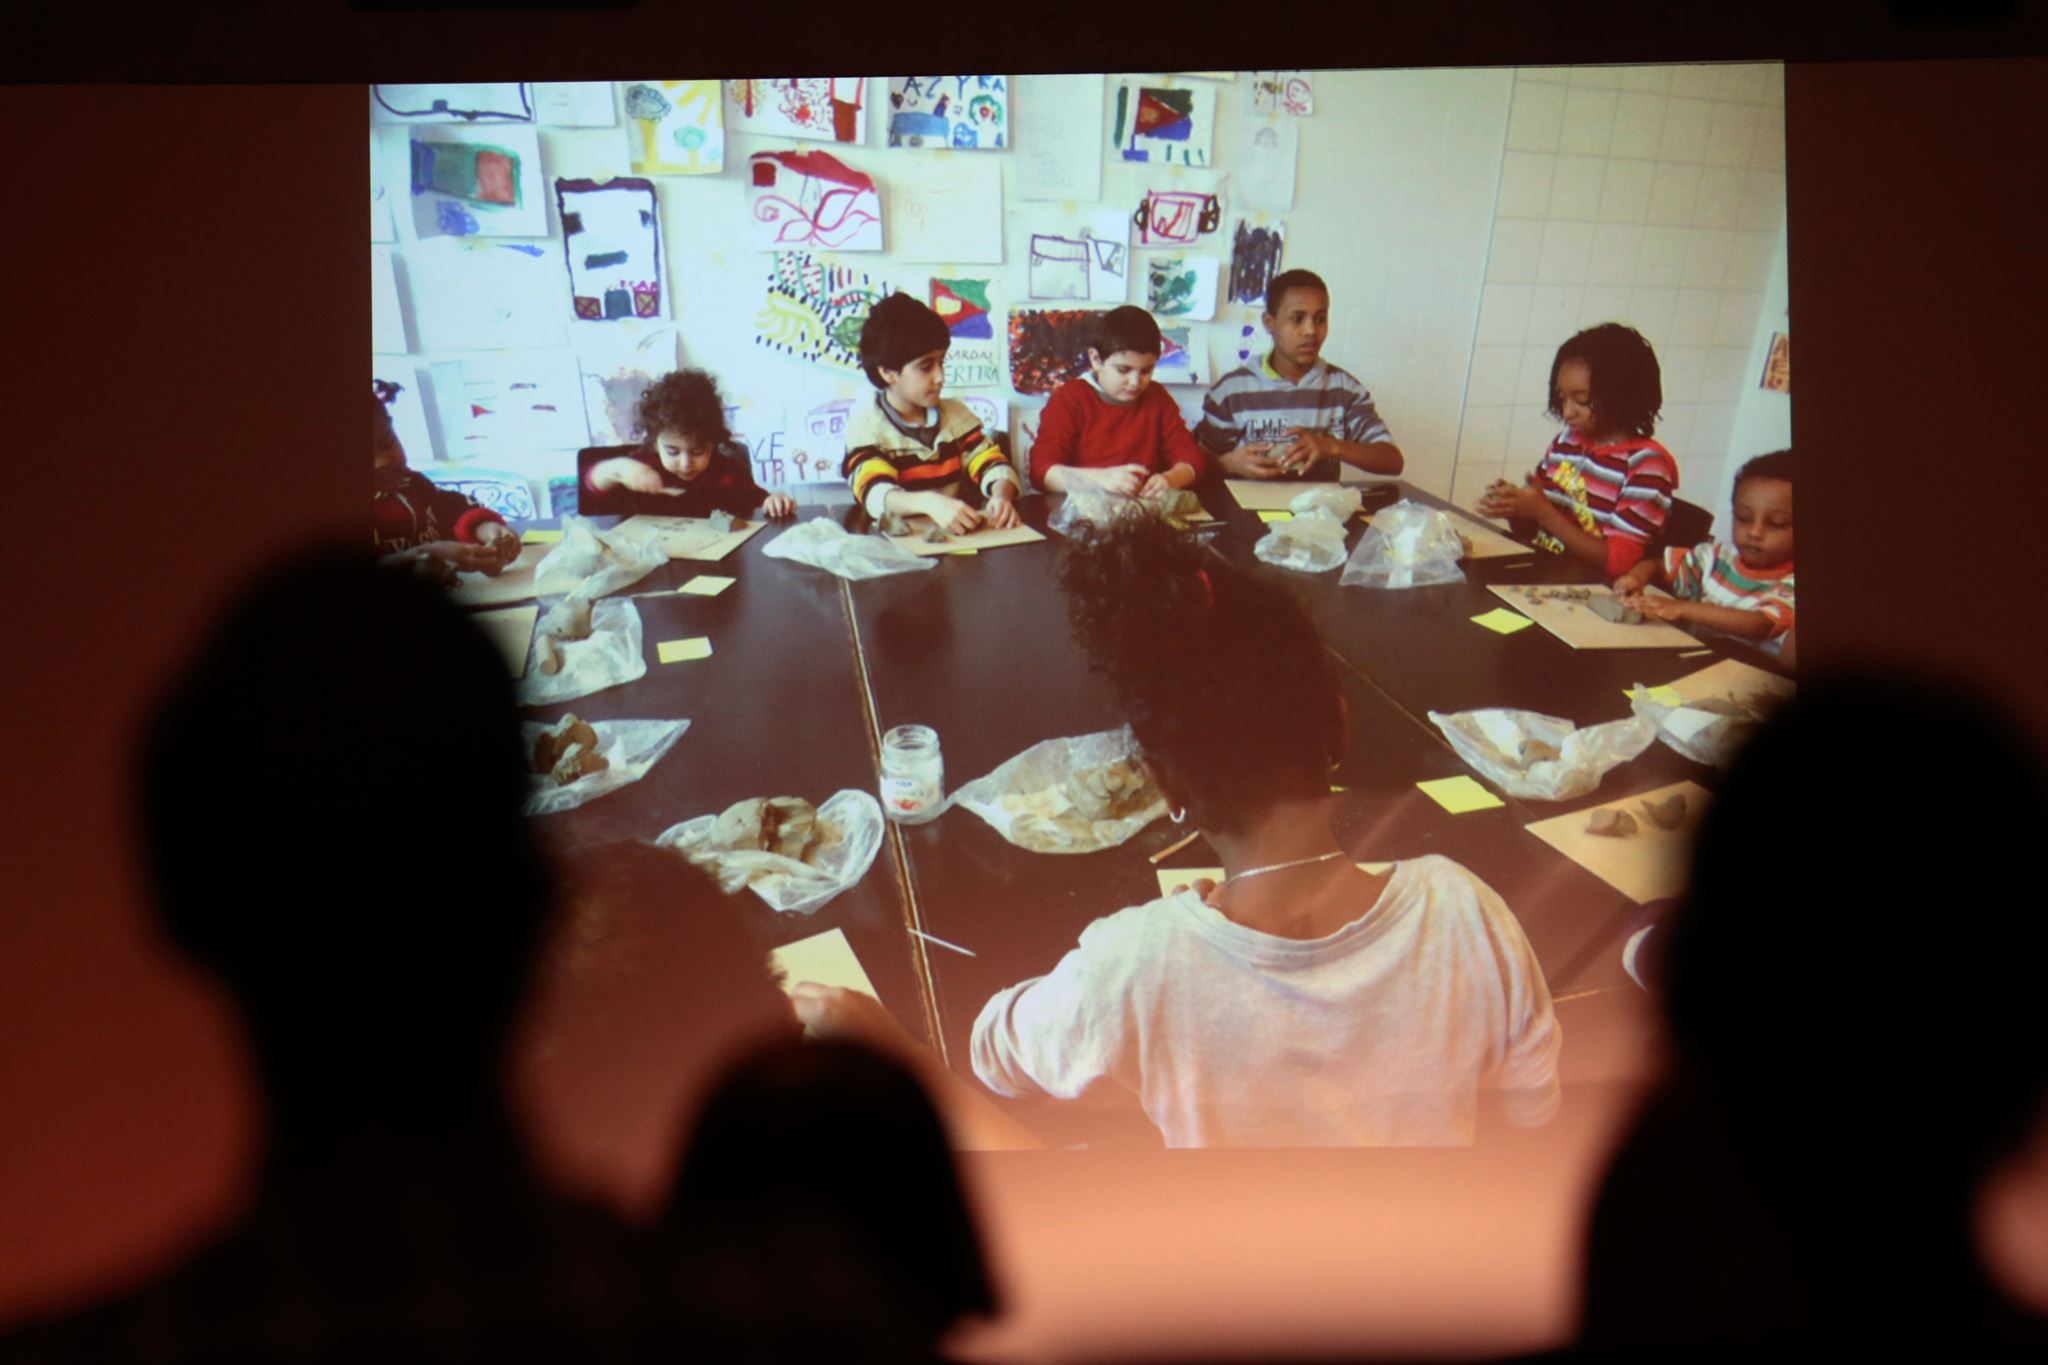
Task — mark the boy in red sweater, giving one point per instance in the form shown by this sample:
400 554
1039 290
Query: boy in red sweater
1115 429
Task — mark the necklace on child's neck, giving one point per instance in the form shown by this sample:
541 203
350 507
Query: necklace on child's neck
1282 867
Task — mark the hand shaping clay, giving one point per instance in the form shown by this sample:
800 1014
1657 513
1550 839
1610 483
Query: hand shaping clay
936 536
559 738
1668 813
578 760
893 525
1614 824
1611 609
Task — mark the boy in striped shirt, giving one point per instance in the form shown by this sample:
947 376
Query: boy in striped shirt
1294 413
1743 590
911 451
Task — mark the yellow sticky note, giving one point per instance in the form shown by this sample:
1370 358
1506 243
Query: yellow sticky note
682 651
1276 516
1336 788
964 550
707 585
1459 794
1663 696
1503 620
539 537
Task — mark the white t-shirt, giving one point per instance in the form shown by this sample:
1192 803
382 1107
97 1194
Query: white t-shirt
1380 1034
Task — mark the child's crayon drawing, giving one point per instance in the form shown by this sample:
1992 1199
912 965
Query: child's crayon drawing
677 128
827 108
815 311
1176 217
1181 286
1049 346
1254 261
1286 92
466 182
949 111
1183 354
1081 262
613 234
1778 366
814 200
1166 124
972 358
479 102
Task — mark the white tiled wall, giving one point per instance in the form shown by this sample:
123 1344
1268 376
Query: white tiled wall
1653 196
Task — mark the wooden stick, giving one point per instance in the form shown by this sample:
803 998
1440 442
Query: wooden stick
934 938
1174 847
1694 653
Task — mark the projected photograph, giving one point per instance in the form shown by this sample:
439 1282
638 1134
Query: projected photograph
1252 680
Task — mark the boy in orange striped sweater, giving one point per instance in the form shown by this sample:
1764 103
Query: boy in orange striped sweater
1744 589
912 451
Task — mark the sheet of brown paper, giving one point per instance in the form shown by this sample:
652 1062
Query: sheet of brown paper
1648 865
1731 676
1576 625
511 630
973 540
687 537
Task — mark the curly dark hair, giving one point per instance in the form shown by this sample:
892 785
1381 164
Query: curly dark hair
1194 648
1628 386
687 401
1777 464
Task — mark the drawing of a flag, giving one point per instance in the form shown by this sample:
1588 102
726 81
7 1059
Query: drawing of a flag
1166 114
964 306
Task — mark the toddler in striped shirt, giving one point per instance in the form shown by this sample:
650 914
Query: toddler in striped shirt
1742 590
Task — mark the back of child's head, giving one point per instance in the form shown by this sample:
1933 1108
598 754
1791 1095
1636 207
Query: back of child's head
1627 384
1222 677
898 330
686 402
382 393
1306 280
1128 328
1777 464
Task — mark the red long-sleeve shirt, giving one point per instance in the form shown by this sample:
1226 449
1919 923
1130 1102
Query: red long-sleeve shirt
1081 427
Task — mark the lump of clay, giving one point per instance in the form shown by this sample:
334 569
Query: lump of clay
1611 609
1179 503
723 521
559 738
1109 791
568 619
578 760
548 654
894 525
936 535
787 825
1536 751
1668 813
1614 824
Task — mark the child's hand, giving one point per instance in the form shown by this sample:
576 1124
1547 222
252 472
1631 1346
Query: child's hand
1308 448
778 506
1504 499
951 515
835 1012
1252 460
1157 486
1001 510
634 475
1205 887
426 565
1124 479
500 542
1656 608
1636 579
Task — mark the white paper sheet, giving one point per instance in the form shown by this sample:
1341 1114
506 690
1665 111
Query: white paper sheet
946 208
1058 146
575 104
505 402
481 294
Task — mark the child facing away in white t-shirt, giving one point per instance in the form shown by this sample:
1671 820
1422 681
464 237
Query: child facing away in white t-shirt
1303 1001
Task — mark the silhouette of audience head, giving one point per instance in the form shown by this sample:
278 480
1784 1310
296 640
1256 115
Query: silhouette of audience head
331 799
1852 1000
824 1213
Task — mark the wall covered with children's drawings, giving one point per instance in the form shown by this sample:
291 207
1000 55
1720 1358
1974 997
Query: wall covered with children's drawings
1398 187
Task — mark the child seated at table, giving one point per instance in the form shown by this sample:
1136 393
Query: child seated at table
1303 1001
687 463
1742 589
415 521
912 451
1603 489
1113 428
1294 413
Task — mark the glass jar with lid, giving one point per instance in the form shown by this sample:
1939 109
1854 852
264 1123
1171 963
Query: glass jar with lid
913 774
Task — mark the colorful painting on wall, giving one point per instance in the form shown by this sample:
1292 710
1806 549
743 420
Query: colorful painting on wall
1778 365
814 311
1285 92
1254 261
1176 217
1083 257
811 200
612 231
972 358
480 102
677 127
1049 346
970 112
1183 354
1182 286
826 108
470 182
1163 124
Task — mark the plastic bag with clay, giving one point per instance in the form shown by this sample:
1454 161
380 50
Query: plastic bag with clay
1709 733
1406 546
1031 799
1307 544
629 748
609 655
1542 758
593 562
1085 504
1331 500
853 821
827 545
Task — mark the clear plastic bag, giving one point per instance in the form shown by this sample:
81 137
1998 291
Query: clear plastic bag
827 545
593 562
1335 501
1028 799
1703 734
1542 758
629 747
788 884
1307 544
1085 504
611 655
1406 546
